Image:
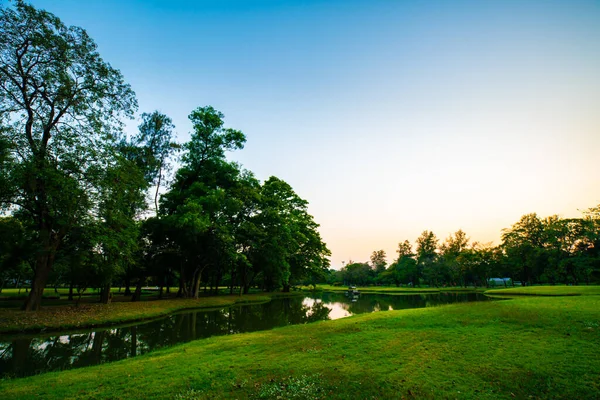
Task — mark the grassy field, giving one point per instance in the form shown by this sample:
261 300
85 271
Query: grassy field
94 314
64 292
393 289
527 347
547 291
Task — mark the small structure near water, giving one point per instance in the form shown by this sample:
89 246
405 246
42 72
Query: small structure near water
353 293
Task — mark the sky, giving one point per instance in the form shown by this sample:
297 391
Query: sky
389 117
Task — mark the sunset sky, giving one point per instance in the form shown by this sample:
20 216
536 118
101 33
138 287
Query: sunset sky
389 117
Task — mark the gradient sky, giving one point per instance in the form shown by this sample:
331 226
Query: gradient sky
389 117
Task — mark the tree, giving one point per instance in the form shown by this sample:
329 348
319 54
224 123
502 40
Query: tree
452 252
427 258
291 247
404 269
156 142
121 201
523 244
378 262
64 104
198 206
355 273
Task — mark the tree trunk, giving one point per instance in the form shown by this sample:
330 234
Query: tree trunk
127 285
197 284
105 294
286 288
217 283
137 296
42 270
70 291
168 283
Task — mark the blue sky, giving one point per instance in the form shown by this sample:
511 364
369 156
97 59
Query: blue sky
389 117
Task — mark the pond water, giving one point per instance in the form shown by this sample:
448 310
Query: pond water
24 355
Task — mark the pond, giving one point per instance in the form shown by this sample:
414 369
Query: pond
23 355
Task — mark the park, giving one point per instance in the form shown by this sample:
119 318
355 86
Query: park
150 250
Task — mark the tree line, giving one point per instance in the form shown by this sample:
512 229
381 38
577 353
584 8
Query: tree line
533 250
84 205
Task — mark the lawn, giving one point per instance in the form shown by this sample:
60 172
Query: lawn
393 289
559 290
527 347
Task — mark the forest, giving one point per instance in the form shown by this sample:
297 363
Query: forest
86 206
534 250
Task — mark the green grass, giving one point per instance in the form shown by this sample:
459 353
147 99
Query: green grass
50 292
96 314
527 347
392 289
547 291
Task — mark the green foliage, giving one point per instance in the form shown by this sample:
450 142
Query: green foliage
61 106
534 250
378 261
358 274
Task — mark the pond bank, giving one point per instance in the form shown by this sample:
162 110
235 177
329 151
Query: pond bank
539 347
558 290
91 315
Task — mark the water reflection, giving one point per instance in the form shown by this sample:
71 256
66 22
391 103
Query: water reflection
342 306
33 354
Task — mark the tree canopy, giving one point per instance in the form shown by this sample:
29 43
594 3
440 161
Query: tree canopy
75 189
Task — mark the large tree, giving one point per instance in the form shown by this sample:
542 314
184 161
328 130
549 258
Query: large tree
197 208
60 106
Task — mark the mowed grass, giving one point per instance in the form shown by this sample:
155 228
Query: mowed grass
95 314
548 291
529 347
64 292
394 289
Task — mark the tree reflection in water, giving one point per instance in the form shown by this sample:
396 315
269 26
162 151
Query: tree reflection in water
33 354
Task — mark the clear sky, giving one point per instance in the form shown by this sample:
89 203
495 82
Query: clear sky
389 117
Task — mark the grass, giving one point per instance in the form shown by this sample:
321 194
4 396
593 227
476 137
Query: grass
527 347
64 292
393 289
95 314
547 291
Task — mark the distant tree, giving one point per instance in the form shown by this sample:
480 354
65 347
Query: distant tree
523 245
406 266
358 274
404 250
453 257
427 258
378 261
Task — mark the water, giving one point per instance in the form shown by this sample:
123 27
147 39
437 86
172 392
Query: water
25 355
